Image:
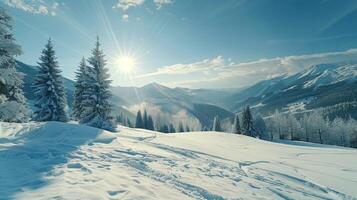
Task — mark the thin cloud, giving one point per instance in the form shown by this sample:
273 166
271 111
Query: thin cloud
160 3
126 4
125 17
203 65
218 71
34 6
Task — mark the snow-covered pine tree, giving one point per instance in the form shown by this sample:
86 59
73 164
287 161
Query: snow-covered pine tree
145 120
139 123
216 124
50 96
236 125
247 122
97 112
150 124
180 128
12 101
81 87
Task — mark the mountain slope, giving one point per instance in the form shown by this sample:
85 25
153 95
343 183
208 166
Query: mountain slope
66 161
319 86
172 101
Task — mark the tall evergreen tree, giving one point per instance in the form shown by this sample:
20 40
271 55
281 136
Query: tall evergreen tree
247 122
150 124
82 85
180 128
97 112
12 101
139 123
216 124
145 119
236 125
50 95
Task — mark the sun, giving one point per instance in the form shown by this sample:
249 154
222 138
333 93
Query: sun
126 63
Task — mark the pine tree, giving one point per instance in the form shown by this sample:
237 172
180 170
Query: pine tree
145 120
164 129
150 124
247 122
97 112
180 128
236 125
139 123
82 85
128 122
216 124
12 100
51 100
172 128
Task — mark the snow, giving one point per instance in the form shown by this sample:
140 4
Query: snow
55 160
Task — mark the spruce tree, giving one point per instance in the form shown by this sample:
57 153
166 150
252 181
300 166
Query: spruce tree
164 129
97 111
145 120
236 125
81 87
12 100
247 122
216 124
51 103
150 124
139 123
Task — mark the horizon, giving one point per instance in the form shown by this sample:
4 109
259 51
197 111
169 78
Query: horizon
177 44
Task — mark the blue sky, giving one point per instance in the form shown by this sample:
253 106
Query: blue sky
190 43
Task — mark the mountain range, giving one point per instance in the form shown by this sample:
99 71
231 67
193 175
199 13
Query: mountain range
316 87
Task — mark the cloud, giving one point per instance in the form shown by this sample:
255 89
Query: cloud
203 65
33 6
160 3
125 17
222 73
126 4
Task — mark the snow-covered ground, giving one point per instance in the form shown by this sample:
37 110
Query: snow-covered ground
68 161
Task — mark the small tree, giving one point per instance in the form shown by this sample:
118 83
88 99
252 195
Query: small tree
139 123
145 120
247 122
150 124
187 128
164 129
50 96
216 124
236 125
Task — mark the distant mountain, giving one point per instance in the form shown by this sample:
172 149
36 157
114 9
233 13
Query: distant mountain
319 86
172 101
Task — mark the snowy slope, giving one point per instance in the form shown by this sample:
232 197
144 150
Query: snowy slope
68 161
